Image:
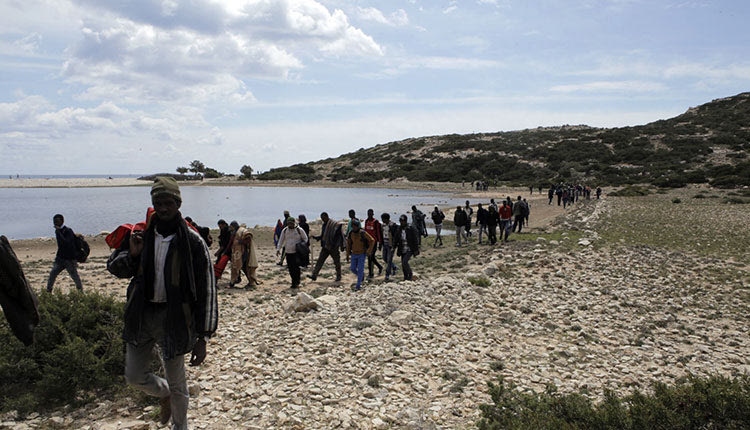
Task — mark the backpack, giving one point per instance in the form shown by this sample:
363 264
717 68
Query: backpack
82 248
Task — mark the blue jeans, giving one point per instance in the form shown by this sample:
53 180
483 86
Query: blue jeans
390 268
358 267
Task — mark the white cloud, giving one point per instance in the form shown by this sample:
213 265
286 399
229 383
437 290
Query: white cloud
666 70
160 51
105 135
402 65
372 14
450 9
610 86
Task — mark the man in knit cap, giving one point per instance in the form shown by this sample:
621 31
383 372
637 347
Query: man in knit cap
171 301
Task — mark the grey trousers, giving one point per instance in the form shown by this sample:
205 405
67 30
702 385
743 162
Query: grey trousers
58 266
138 359
461 233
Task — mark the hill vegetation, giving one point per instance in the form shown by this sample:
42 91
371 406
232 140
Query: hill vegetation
708 143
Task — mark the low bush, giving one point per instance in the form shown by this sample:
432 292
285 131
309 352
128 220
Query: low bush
631 191
712 402
479 281
77 354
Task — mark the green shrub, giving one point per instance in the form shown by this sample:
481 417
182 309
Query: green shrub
77 354
713 402
479 282
631 191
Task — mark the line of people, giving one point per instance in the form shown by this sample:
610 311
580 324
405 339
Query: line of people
510 217
567 194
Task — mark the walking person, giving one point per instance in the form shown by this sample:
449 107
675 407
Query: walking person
304 259
481 221
505 220
407 245
460 220
493 204
224 235
65 259
418 221
550 195
331 243
352 218
389 234
518 215
526 213
359 244
171 301
375 230
493 219
469 212
277 234
291 236
244 256
437 218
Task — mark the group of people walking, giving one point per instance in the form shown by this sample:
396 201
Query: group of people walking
567 194
172 297
509 217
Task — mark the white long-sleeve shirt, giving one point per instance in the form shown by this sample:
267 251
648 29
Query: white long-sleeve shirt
290 238
161 247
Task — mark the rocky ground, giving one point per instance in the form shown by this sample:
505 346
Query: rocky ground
568 304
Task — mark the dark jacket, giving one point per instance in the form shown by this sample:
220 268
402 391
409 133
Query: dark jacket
493 217
17 298
192 308
224 237
460 218
438 217
482 216
412 239
66 243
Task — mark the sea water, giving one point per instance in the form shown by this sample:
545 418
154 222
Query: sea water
26 213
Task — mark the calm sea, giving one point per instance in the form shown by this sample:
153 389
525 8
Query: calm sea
26 213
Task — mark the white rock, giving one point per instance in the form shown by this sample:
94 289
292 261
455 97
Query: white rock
302 302
399 317
327 300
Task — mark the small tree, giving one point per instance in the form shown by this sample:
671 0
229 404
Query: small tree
247 171
197 167
182 170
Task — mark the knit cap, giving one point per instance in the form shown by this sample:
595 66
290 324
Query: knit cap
164 185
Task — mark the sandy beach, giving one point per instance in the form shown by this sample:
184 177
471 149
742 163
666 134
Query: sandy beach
463 188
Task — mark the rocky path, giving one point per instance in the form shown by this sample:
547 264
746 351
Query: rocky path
574 312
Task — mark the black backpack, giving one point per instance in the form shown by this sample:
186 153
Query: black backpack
82 249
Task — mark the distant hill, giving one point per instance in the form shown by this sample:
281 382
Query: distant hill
708 143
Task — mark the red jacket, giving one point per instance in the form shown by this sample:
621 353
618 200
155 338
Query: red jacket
374 229
505 212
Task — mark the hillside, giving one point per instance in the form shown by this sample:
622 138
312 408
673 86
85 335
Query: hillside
708 143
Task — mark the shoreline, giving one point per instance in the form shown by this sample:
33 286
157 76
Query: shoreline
453 187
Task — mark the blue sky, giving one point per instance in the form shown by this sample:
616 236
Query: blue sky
148 85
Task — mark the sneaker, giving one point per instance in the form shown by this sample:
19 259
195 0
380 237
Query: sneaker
380 270
165 412
313 277
338 279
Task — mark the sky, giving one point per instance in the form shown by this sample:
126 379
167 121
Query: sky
146 86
